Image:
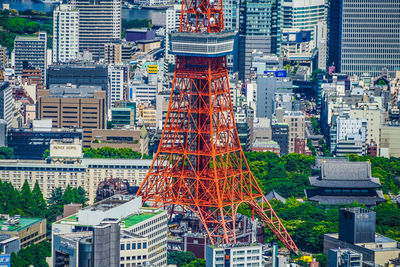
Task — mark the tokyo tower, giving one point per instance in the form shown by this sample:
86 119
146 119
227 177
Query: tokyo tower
200 164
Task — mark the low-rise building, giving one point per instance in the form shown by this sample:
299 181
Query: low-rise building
390 141
357 233
123 116
345 182
135 138
88 173
344 258
28 230
31 144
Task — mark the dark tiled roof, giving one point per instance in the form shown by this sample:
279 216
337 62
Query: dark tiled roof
340 183
275 195
345 170
345 174
336 200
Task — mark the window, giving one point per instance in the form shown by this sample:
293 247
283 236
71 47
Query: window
139 245
144 245
122 246
128 246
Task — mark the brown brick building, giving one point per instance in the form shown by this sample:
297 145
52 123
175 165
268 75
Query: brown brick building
83 108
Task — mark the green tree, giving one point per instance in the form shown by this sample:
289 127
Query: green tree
6 153
180 258
39 204
68 196
33 255
9 199
55 205
26 198
196 263
46 154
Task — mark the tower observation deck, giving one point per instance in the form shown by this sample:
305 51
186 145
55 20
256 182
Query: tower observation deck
200 165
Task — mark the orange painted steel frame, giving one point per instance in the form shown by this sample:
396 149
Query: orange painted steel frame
200 164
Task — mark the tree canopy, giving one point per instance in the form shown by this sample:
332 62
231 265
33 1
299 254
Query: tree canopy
180 258
116 153
287 175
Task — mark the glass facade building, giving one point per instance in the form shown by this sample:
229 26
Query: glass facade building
369 36
30 144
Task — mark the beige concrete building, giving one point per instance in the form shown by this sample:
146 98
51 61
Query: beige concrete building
135 138
146 46
148 115
28 230
3 57
373 114
68 107
296 122
389 141
87 174
378 252
112 53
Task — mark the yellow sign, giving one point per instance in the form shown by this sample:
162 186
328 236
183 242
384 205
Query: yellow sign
153 69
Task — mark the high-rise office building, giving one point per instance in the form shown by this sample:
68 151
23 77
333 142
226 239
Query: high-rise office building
303 14
307 15
368 36
31 51
65 33
99 23
172 23
78 74
6 103
257 31
68 107
117 82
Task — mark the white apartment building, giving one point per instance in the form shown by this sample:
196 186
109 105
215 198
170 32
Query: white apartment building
172 23
65 33
116 84
235 255
6 103
151 224
87 174
143 93
143 236
133 251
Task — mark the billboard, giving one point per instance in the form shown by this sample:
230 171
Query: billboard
5 260
278 73
153 69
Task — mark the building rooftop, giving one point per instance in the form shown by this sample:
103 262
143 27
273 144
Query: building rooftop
274 195
345 200
76 236
23 223
138 30
345 174
110 203
61 90
85 163
382 243
138 218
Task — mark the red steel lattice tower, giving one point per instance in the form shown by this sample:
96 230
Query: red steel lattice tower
200 164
